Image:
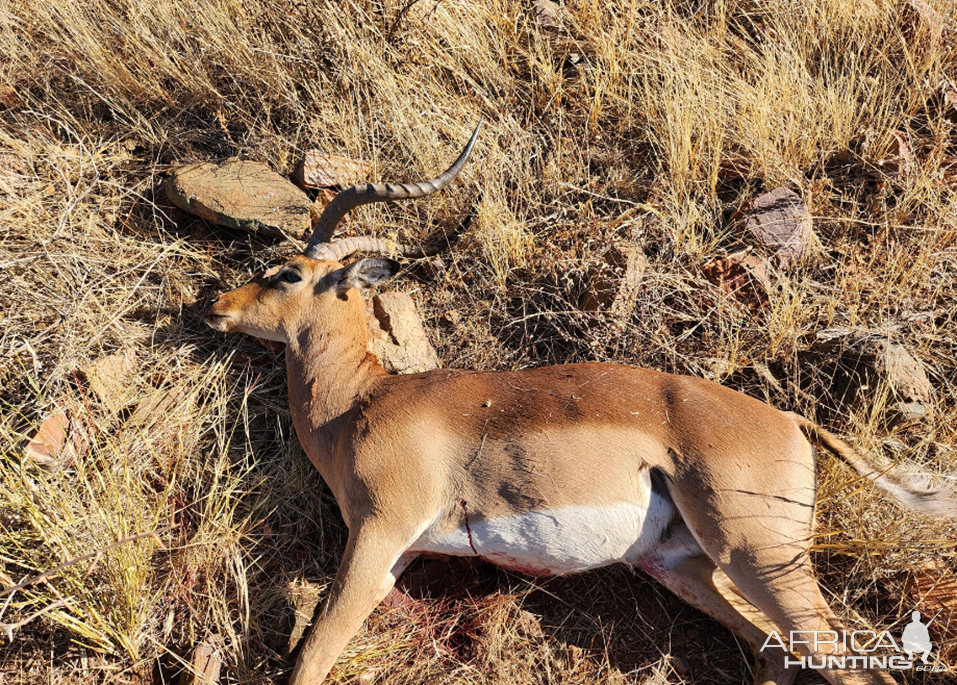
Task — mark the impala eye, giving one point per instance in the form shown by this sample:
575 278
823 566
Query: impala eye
291 277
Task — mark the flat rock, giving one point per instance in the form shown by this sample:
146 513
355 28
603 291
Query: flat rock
155 407
318 170
58 442
112 379
241 194
548 16
615 281
857 364
779 224
398 338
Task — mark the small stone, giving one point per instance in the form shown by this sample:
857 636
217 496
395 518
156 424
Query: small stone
206 664
908 411
398 337
780 224
614 283
318 170
57 443
8 97
112 379
241 194
548 16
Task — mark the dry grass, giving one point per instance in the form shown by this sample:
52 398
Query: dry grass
640 120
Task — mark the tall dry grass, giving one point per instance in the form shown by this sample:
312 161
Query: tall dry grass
649 121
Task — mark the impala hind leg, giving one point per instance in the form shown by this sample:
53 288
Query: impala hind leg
368 570
759 537
788 593
682 567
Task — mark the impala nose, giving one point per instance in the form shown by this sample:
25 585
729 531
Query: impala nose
213 319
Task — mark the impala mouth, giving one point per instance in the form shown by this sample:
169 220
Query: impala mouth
218 322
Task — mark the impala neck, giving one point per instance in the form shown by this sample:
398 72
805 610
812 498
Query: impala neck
328 368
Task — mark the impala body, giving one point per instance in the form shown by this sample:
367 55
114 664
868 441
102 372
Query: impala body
553 470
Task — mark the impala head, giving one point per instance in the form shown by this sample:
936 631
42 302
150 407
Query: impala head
277 303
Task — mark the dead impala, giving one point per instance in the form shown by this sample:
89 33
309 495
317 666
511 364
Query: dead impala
552 470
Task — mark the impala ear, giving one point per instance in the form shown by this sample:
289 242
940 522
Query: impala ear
365 272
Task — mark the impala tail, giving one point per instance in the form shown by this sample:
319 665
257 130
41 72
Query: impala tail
915 491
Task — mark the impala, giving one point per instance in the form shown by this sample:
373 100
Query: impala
551 470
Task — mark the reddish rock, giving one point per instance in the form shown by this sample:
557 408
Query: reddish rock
206 664
8 97
241 194
779 224
58 442
318 170
744 276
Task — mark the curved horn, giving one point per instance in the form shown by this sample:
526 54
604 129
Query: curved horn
346 247
362 194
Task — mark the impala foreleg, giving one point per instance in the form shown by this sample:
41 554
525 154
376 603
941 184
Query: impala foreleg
368 571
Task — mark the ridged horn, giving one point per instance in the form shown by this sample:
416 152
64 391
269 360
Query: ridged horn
366 193
340 249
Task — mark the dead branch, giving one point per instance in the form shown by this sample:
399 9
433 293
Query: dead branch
93 557
9 628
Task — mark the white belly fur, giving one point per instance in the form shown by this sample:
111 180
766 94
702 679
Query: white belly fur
561 540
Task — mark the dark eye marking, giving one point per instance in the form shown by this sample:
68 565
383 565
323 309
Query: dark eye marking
290 277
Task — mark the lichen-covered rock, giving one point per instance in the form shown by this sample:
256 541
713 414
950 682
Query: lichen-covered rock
398 338
241 194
